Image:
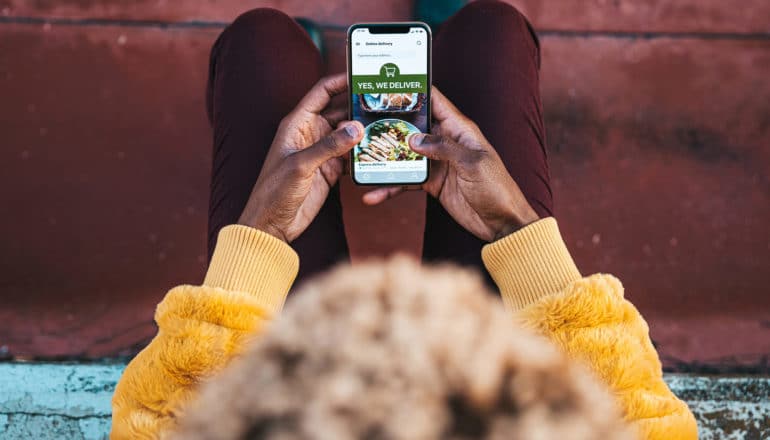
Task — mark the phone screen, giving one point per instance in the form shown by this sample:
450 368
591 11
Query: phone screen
390 95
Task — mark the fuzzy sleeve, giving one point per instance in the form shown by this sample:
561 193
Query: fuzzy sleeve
201 328
590 320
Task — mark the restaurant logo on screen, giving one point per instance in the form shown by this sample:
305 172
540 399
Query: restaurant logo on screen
390 80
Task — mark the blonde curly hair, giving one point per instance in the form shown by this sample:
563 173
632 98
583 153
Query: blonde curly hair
395 350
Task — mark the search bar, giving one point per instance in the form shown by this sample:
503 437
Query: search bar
383 54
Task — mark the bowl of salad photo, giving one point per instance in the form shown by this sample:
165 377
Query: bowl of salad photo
387 140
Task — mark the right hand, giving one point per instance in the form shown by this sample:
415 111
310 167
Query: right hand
467 176
303 164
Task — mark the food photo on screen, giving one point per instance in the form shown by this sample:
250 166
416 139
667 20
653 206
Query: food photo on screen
389 119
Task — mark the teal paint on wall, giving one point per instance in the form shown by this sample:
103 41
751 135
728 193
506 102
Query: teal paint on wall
72 401
56 401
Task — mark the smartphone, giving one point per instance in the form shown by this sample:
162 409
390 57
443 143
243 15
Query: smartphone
389 78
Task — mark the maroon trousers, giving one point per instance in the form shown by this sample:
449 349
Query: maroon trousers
485 59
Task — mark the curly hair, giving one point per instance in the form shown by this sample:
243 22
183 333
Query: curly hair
395 350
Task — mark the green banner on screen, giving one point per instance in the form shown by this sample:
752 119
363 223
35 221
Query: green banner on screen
390 80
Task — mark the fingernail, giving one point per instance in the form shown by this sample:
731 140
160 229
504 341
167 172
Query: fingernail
351 130
417 139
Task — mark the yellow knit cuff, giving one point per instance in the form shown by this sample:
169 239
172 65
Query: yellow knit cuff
252 261
530 263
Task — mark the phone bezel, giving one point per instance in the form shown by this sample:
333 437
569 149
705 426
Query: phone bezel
382 29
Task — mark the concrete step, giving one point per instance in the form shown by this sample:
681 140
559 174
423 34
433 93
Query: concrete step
72 401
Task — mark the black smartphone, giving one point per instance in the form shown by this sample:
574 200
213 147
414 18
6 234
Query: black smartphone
389 78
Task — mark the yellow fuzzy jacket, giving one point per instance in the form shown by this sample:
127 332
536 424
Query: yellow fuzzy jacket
201 328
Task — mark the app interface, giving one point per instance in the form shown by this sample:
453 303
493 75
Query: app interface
389 83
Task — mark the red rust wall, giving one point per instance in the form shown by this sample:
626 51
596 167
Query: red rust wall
658 118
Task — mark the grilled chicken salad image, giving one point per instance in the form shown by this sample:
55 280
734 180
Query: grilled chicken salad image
387 140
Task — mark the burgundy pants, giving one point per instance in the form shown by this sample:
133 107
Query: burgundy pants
485 59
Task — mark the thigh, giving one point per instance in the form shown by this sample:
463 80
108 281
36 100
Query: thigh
486 60
260 67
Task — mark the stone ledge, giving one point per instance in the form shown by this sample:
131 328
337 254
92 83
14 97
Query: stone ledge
56 401
72 401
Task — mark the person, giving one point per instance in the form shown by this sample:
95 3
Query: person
390 349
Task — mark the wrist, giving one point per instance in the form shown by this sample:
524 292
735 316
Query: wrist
518 220
265 226
274 231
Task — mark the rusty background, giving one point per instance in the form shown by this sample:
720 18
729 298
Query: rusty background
658 119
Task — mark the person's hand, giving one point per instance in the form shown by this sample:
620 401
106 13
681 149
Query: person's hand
467 176
303 163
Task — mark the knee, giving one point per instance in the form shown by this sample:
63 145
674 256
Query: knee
259 17
495 16
267 23
495 20
492 10
256 31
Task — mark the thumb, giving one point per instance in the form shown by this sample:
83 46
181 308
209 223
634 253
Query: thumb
337 143
435 147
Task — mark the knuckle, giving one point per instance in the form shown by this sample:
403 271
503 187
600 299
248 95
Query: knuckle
449 143
330 143
319 84
294 166
435 139
286 121
468 123
325 83
475 157
334 141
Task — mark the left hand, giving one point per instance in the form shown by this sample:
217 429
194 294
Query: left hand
303 164
467 176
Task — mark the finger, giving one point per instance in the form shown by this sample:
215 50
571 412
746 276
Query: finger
339 101
379 195
331 170
436 147
441 107
334 116
322 92
337 143
436 179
